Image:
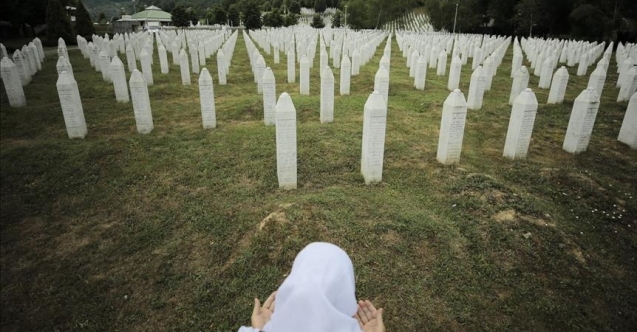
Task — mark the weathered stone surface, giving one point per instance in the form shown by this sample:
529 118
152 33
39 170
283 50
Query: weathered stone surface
521 125
269 97
454 114
141 103
628 131
207 100
286 150
71 104
581 122
373 143
12 83
327 95
118 75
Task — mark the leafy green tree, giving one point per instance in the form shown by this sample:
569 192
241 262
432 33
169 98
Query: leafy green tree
220 15
58 24
317 21
276 4
180 16
337 19
101 18
290 20
319 6
589 22
233 15
192 15
295 7
252 18
273 19
266 6
83 23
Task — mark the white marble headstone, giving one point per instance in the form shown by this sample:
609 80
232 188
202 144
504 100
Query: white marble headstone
454 114
581 122
286 157
141 103
476 90
269 97
373 142
346 75
71 104
118 75
628 131
327 95
207 100
521 125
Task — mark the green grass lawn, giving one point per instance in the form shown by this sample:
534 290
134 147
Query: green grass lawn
178 230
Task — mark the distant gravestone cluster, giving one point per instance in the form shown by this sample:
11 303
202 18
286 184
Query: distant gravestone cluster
347 51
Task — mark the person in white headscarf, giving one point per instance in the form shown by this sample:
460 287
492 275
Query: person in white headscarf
317 296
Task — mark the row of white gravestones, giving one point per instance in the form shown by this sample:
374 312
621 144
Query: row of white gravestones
12 83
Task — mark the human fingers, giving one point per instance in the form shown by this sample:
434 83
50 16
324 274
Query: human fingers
257 307
380 326
360 313
370 306
370 310
268 303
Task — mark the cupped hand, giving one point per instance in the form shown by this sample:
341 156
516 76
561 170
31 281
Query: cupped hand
262 314
369 318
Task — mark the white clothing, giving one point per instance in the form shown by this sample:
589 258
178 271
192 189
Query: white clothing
318 295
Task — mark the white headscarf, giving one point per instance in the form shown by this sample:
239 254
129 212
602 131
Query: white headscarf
318 295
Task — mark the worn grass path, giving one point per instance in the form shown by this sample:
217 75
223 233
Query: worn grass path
178 230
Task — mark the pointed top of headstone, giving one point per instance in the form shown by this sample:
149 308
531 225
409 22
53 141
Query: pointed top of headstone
456 99
6 62
345 60
285 104
327 73
526 97
268 75
523 70
589 95
382 73
376 101
65 79
17 53
456 60
137 78
143 52
117 62
204 76
182 53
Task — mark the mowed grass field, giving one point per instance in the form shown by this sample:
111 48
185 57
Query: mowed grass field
180 229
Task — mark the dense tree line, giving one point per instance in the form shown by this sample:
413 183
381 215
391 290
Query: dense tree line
581 19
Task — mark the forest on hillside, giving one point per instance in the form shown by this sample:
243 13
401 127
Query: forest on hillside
581 19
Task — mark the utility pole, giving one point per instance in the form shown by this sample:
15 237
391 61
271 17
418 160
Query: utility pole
345 16
134 10
454 19
531 27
